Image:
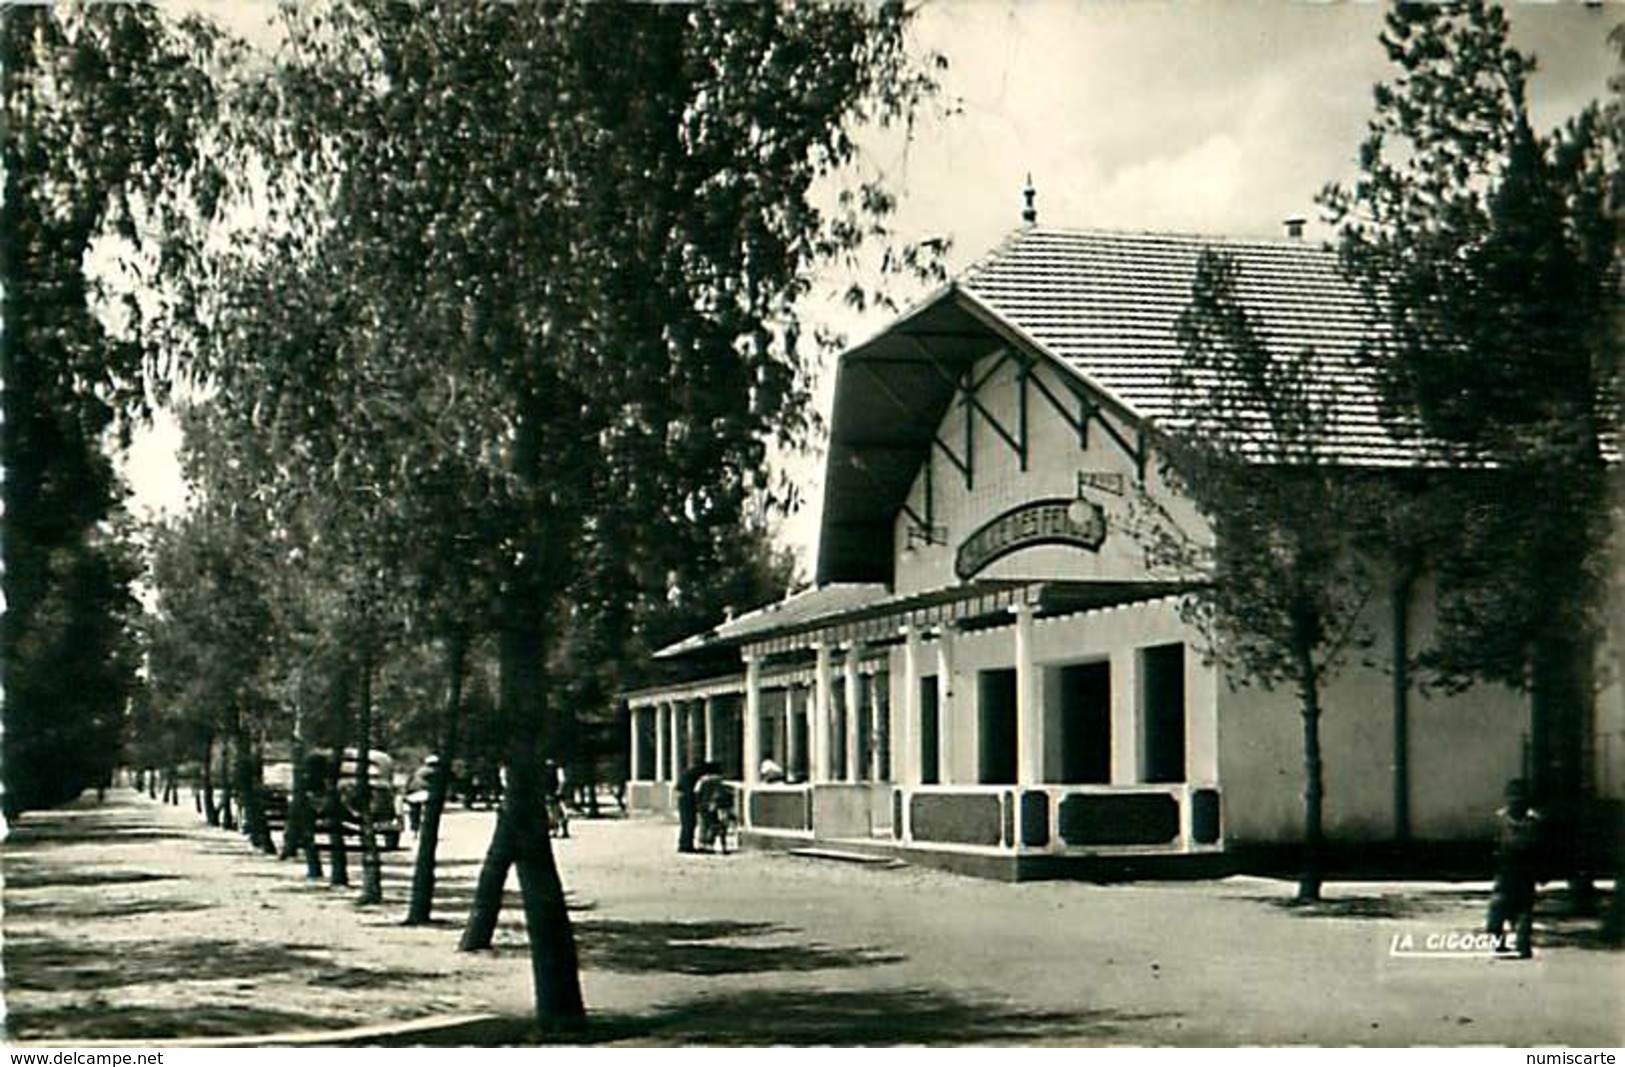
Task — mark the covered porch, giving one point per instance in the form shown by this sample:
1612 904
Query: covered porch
958 727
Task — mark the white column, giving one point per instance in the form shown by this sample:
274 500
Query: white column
753 719
662 758
947 743
634 768
710 727
818 729
854 711
905 743
1029 703
676 743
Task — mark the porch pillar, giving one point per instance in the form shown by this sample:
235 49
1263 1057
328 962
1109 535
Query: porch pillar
711 727
753 719
676 748
634 767
693 732
818 738
795 706
662 758
854 710
905 749
947 741
1029 704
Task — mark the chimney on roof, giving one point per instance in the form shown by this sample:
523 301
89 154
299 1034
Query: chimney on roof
1029 214
1294 228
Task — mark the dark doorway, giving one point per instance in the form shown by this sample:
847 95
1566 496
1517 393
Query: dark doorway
1162 705
837 732
929 750
1085 703
996 722
862 726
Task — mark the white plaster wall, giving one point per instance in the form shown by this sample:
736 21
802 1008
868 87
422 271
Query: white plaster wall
1462 750
999 484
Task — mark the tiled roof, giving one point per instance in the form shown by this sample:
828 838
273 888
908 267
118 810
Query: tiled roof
1106 305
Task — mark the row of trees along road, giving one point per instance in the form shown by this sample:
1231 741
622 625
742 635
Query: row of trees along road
1489 257
70 383
485 317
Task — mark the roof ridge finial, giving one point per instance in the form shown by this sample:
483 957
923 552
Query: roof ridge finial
1029 214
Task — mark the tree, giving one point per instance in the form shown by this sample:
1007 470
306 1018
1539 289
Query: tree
1284 585
554 260
98 103
1484 250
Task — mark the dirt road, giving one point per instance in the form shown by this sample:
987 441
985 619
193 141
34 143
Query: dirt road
131 921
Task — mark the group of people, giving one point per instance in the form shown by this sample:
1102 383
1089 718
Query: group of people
705 807
553 794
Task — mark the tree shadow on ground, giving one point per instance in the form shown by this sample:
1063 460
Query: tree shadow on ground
47 964
96 907
21 875
1392 906
84 821
825 1017
102 834
711 948
79 1022
1572 931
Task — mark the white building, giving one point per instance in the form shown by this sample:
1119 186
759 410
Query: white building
989 675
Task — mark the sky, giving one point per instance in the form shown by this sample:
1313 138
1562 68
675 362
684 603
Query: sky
1191 116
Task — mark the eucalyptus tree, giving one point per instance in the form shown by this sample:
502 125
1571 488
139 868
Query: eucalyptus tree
565 247
1484 249
101 106
1284 580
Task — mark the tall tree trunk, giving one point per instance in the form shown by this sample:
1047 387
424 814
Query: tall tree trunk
423 873
487 904
372 873
1560 719
521 838
554 965
228 749
300 834
338 859
247 774
1314 787
211 813
338 862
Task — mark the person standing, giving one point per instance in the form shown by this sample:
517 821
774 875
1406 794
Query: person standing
417 791
1517 868
687 803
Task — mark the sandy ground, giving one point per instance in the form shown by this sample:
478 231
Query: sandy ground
132 921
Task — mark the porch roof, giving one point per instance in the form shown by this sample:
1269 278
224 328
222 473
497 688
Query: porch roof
867 613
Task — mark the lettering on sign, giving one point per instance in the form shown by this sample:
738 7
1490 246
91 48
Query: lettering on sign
1106 481
1042 522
